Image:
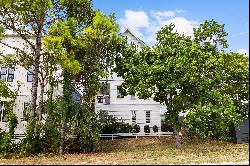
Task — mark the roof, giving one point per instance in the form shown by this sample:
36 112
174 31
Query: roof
130 32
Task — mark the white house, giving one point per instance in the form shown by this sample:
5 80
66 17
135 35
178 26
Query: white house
129 108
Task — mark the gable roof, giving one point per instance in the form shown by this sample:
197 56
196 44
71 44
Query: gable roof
130 32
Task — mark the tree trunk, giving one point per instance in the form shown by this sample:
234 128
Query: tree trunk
63 133
41 100
35 75
177 137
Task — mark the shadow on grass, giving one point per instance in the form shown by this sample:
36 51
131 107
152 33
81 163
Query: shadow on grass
161 143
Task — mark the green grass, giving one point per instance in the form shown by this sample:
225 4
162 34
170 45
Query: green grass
146 150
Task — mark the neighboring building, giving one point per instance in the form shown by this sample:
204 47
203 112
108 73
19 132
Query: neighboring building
128 108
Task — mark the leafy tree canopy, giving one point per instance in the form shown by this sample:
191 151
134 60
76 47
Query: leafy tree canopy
187 72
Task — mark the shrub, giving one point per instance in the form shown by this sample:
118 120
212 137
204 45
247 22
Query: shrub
32 143
209 120
6 145
110 124
155 128
146 129
85 128
166 127
124 127
136 128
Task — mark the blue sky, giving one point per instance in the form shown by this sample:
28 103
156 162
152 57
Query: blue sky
145 17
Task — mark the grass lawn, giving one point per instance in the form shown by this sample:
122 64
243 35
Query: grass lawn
148 150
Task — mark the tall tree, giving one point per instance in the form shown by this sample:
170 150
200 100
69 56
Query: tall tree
29 20
84 44
180 71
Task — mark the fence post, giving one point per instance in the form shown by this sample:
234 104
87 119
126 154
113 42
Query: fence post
112 137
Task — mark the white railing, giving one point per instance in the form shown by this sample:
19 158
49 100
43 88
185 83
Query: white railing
116 135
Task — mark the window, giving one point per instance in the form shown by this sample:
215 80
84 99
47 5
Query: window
7 74
3 73
10 76
148 116
99 99
3 117
133 116
29 75
25 109
119 92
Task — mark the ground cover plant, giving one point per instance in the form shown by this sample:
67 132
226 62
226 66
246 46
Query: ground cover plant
148 150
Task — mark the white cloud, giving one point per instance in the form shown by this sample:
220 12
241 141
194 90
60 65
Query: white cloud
137 20
183 25
162 15
134 20
243 51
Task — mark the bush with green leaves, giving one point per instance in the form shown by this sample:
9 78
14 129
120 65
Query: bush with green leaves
212 120
83 131
124 127
166 127
111 124
155 128
6 144
51 138
146 129
108 123
136 128
32 143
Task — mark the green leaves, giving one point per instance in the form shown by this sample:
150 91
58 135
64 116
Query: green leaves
190 74
213 120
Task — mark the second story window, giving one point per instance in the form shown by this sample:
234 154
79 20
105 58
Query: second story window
7 74
10 76
3 73
29 75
